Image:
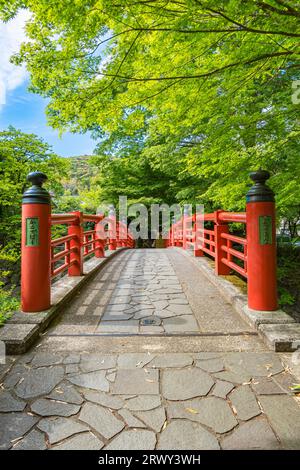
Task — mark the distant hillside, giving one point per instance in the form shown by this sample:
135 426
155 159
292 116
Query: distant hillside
80 175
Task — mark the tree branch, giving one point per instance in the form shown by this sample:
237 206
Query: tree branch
206 74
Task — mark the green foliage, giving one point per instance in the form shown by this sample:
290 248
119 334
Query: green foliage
288 274
200 90
186 97
19 154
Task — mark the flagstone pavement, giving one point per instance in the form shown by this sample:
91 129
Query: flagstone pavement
149 356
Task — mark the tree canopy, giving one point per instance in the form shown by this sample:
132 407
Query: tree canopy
197 91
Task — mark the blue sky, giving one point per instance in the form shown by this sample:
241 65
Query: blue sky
24 110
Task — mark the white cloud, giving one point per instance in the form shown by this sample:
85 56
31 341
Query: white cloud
12 34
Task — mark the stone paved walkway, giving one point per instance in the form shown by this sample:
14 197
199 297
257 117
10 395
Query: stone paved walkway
178 388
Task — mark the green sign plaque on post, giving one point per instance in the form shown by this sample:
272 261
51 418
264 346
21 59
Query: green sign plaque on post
32 231
265 230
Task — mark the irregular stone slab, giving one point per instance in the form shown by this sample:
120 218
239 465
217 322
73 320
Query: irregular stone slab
84 441
8 403
13 426
266 386
16 373
72 369
35 440
157 297
244 401
58 429
130 420
134 360
203 356
120 300
95 380
46 407
140 314
234 377
136 382
101 419
178 301
168 290
180 309
186 383
140 439
39 381
113 316
43 359
110 401
93 362
185 435
252 435
121 292
171 360
111 377
143 403
66 393
181 324
255 364
72 359
284 381
211 365
212 412
153 418
222 389
165 314
160 304
284 416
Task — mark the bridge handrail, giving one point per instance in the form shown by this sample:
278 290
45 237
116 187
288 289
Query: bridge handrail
43 259
79 243
252 257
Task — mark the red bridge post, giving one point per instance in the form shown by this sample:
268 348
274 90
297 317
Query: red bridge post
100 238
112 230
220 228
261 244
35 251
76 255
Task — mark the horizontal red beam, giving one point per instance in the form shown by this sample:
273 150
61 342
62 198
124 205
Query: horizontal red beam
239 217
92 218
235 267
57 219
61 240
61 269
233 252
234 238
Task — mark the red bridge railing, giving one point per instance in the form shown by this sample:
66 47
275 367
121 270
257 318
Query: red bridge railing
43 259
78 244
252 256
217 242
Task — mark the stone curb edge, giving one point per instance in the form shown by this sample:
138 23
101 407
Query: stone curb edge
22 330
278 330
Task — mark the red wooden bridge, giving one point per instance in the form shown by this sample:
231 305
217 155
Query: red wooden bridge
253 257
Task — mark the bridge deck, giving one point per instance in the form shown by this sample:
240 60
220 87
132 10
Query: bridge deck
103 377
150 292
